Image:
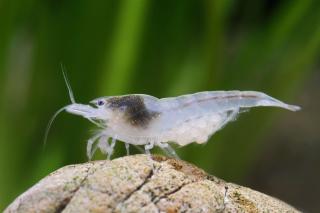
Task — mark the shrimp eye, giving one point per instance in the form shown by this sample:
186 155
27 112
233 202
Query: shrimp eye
100 103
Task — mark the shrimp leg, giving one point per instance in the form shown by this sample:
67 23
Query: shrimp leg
148 146
90 144
168 150
111 148
104 144
231 116
127 148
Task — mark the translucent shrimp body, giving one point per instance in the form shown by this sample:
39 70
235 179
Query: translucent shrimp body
146 120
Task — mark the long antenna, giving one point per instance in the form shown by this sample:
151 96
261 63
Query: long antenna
50 124
63 69
67 83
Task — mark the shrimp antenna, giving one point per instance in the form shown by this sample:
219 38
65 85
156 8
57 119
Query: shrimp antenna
50 124
63 69
67 83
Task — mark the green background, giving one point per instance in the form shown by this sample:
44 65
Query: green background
161 48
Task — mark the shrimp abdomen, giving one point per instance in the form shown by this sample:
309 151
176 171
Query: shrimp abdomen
196 117
224 100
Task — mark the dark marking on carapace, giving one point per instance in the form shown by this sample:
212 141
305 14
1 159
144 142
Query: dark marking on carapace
134 108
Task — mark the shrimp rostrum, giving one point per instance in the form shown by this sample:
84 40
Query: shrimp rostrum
146 120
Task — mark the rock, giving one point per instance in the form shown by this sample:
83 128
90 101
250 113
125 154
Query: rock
141 183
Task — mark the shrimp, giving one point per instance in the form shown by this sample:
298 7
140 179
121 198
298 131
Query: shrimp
139 119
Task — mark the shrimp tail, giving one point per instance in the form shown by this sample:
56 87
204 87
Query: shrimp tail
293 107
266 100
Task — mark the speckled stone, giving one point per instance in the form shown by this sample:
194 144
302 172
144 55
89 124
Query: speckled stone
141 183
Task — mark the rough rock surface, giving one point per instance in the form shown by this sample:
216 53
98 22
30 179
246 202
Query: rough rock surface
141 183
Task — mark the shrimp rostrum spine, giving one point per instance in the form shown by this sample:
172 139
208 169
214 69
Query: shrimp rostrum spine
146 120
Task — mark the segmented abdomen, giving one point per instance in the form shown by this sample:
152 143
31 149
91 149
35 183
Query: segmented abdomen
196 117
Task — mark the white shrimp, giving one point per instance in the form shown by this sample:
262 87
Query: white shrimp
146 120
